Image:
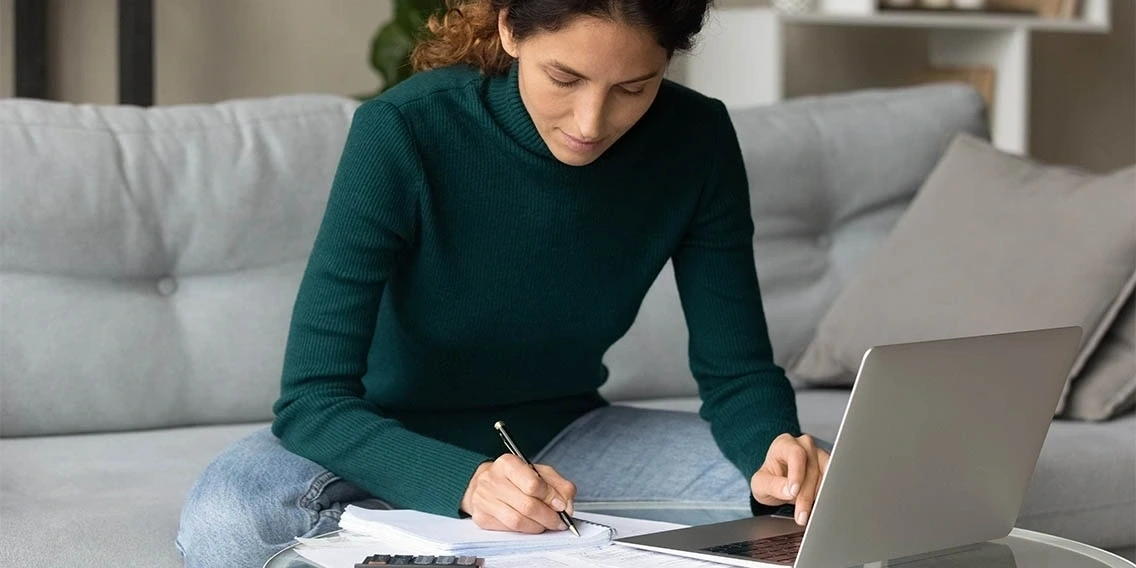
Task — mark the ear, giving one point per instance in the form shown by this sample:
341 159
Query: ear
506 33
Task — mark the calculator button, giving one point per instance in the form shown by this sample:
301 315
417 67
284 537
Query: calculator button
466 561
374 560
401 560
423 560
445 560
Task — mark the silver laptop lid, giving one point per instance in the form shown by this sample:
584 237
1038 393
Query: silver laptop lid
937 446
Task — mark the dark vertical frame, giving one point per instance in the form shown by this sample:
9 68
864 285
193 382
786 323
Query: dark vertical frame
31 48
135 52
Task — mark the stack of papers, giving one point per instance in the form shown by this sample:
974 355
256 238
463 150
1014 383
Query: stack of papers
344 548
423 533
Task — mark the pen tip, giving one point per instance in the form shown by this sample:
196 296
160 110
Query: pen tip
574 531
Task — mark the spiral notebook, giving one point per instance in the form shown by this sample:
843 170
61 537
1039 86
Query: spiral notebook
415 530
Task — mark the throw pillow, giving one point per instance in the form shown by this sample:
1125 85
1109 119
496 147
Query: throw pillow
1107 385
992 243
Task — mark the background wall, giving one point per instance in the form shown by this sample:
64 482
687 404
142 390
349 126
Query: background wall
1084 104
214 49
1084 86
81 51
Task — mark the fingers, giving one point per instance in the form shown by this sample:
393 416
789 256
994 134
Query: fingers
494 514
792 472
509 495
561 491
772 484
763 484
530 494
811 482
797 462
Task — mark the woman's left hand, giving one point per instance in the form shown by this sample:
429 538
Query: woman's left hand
791 473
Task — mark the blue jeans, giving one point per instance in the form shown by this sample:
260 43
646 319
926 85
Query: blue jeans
256 497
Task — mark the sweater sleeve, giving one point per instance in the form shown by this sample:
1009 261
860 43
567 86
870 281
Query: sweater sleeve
746 397
370 221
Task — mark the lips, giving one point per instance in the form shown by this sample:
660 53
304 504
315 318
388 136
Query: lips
581 145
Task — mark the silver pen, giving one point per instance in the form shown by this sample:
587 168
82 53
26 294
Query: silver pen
516 451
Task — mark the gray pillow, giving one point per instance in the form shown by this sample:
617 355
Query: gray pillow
1106 387
992 243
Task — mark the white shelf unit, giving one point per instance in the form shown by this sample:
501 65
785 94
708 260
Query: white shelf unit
945 20
956 38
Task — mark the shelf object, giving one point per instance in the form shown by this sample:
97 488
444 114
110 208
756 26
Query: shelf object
950 20
981 78
957 38
31 48
136 52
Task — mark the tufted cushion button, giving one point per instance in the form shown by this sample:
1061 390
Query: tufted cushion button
167 286
824 241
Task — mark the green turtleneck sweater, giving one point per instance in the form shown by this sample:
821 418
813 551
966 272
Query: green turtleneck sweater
463 275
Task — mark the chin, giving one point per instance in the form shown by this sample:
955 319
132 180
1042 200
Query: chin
574 158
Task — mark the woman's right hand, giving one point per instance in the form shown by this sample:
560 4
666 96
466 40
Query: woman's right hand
507 495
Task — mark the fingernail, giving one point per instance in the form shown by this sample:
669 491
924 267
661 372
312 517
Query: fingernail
558 505
792 490
802 517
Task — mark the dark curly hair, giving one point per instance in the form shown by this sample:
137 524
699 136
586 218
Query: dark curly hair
467 31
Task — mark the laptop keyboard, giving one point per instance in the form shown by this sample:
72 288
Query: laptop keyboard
776 550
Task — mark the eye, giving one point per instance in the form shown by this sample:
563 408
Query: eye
632 92
562 84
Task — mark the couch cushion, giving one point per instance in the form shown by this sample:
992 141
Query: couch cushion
149 258
1082 487
829 176
993 243
1107 385
114 498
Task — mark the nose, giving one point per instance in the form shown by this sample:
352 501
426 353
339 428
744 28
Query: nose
590 110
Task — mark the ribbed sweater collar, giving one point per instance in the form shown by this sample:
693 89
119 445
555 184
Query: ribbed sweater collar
503 98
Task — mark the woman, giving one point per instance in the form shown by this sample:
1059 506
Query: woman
492 229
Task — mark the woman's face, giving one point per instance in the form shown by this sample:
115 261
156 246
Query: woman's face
586 84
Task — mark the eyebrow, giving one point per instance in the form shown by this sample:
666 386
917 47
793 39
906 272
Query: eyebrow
566 69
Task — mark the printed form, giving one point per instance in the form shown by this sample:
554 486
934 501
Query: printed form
344 550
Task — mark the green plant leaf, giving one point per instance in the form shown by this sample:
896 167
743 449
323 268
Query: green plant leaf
393 42
390 50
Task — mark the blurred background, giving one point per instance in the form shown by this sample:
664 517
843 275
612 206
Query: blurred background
1082 86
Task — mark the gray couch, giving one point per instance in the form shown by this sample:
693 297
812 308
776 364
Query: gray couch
149 260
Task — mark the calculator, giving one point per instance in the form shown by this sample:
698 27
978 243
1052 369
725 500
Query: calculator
420 560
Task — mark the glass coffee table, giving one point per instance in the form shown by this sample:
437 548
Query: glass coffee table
1021 549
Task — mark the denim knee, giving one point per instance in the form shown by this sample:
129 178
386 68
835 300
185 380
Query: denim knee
252 501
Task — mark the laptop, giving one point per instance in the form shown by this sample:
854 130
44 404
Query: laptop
935 451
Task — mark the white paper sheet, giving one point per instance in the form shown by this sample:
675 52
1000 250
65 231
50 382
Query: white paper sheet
610 556
343 551
409 528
